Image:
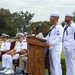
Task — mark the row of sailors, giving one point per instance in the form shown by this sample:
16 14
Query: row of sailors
9 56
54 42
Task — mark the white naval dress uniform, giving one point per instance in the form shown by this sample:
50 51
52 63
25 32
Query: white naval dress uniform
55 39
7 60
69 38
5 45
25 38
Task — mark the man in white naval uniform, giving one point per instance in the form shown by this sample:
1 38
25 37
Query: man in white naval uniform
25 35
54 41
7 59
5 47
69 38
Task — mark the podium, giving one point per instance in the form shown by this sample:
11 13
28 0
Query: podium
36 57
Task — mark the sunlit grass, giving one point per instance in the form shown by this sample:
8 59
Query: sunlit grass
62 55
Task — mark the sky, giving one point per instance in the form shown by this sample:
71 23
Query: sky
41 8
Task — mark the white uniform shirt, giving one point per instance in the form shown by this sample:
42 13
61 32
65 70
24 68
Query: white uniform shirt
25 38
5 45
21 45
69 35
55 38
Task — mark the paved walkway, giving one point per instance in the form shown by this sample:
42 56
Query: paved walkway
18 72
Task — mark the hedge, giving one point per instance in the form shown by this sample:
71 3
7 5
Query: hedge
63 67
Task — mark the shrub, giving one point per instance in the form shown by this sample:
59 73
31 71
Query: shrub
63 67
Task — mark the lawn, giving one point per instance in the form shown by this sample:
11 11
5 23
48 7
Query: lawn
62 63
62 55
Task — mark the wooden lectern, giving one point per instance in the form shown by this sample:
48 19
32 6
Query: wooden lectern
36 61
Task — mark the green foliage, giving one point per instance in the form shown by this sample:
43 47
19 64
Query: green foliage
74 16
63 23
63 64
62 55
9 22
43 28
63 67
22 19
6 25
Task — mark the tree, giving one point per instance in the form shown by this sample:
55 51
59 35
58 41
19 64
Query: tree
22 19
74 16
45 25
9 22
6 25
63 23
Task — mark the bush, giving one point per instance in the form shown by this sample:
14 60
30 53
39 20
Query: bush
63 67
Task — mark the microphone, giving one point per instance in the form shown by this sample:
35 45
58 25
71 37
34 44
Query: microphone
37 26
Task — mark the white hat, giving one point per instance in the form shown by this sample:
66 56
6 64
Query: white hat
19 34
5 35
69 14
55 14
40 33
25 33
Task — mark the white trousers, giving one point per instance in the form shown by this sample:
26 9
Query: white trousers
7 60
54 59
70 61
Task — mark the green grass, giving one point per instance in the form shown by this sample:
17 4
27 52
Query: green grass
46 70
0 62
62 55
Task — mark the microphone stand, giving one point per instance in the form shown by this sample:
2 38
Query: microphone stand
35 31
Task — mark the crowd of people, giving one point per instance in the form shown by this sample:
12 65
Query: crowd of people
55 36
10 55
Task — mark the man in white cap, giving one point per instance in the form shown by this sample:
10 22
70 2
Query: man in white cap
69 39
54 42
5 47
7 59
25 35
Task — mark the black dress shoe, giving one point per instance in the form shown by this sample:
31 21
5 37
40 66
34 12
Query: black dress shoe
26 73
